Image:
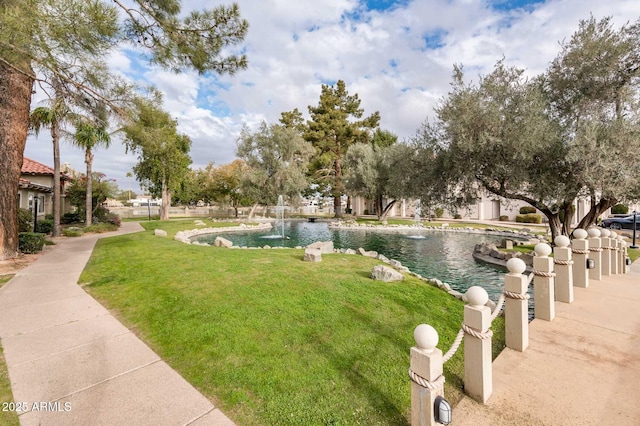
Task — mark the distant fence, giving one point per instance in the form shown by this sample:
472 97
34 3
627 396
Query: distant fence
214 212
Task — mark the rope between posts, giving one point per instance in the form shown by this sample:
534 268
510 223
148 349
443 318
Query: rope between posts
477 333
563 262
454 347
595 249
578 251
544 274
436 384
512 295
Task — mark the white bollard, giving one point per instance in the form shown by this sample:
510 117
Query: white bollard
563 269
427 381
615 252
580 252
543 283
595 253
607 250
516 312
478 380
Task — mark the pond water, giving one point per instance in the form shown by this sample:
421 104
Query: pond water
446 256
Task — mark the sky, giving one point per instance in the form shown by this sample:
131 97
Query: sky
397 55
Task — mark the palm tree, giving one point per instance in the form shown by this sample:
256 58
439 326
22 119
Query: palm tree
52 118
89 135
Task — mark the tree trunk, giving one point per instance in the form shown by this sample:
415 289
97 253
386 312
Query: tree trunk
596 210
166 201
252 211
15 101
88 205
56 179
569 212
387 209
338 187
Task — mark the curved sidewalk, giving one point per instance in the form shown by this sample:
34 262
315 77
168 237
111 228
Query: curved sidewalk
582 368
71 362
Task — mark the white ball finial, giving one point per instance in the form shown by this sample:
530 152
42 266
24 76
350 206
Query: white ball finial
605 233
562 241
426 337
594 232
612 234
580 234
516 266
542 249
477 296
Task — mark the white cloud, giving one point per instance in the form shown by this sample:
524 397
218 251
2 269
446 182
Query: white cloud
399 62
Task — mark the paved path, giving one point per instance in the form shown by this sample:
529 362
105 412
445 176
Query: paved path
583 368
72 363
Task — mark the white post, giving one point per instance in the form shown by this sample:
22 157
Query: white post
543 283
615 252
427 381
478 381
595 253
564 275
607 247
624 269
580 251
516 318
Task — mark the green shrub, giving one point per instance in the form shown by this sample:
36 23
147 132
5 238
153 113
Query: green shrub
72 232
113 219
25 220
30 242
439 212
504 218
68 218
457 216
619 209
527 210
44 226
529 218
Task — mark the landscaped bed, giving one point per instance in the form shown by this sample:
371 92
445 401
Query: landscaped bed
272 339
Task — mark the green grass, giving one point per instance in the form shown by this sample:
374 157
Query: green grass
633 254
8 418
271 339
5 278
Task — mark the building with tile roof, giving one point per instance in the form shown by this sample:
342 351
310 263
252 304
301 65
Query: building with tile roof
36 186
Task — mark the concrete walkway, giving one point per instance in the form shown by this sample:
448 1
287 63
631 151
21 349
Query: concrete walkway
71 362
583 368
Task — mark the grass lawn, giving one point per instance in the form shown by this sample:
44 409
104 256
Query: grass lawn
633 254
9 418
271 339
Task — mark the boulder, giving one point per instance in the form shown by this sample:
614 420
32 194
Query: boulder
160 233
350 251
324 246
222 242
385 274
395 263
312 255
373 254
361 251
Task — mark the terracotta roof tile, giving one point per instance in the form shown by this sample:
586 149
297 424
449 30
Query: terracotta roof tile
31 167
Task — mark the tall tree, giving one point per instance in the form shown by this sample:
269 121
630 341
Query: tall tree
379 173
163 153
225 184
336 123
592 87
53 117
277 161
88 136
70 39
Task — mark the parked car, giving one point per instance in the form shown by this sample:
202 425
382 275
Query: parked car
624 222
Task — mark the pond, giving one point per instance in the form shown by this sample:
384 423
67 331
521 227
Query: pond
446 256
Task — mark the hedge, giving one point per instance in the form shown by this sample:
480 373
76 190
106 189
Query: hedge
527 210
529 218
30 242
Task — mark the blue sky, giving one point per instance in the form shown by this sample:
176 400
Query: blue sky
396 55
